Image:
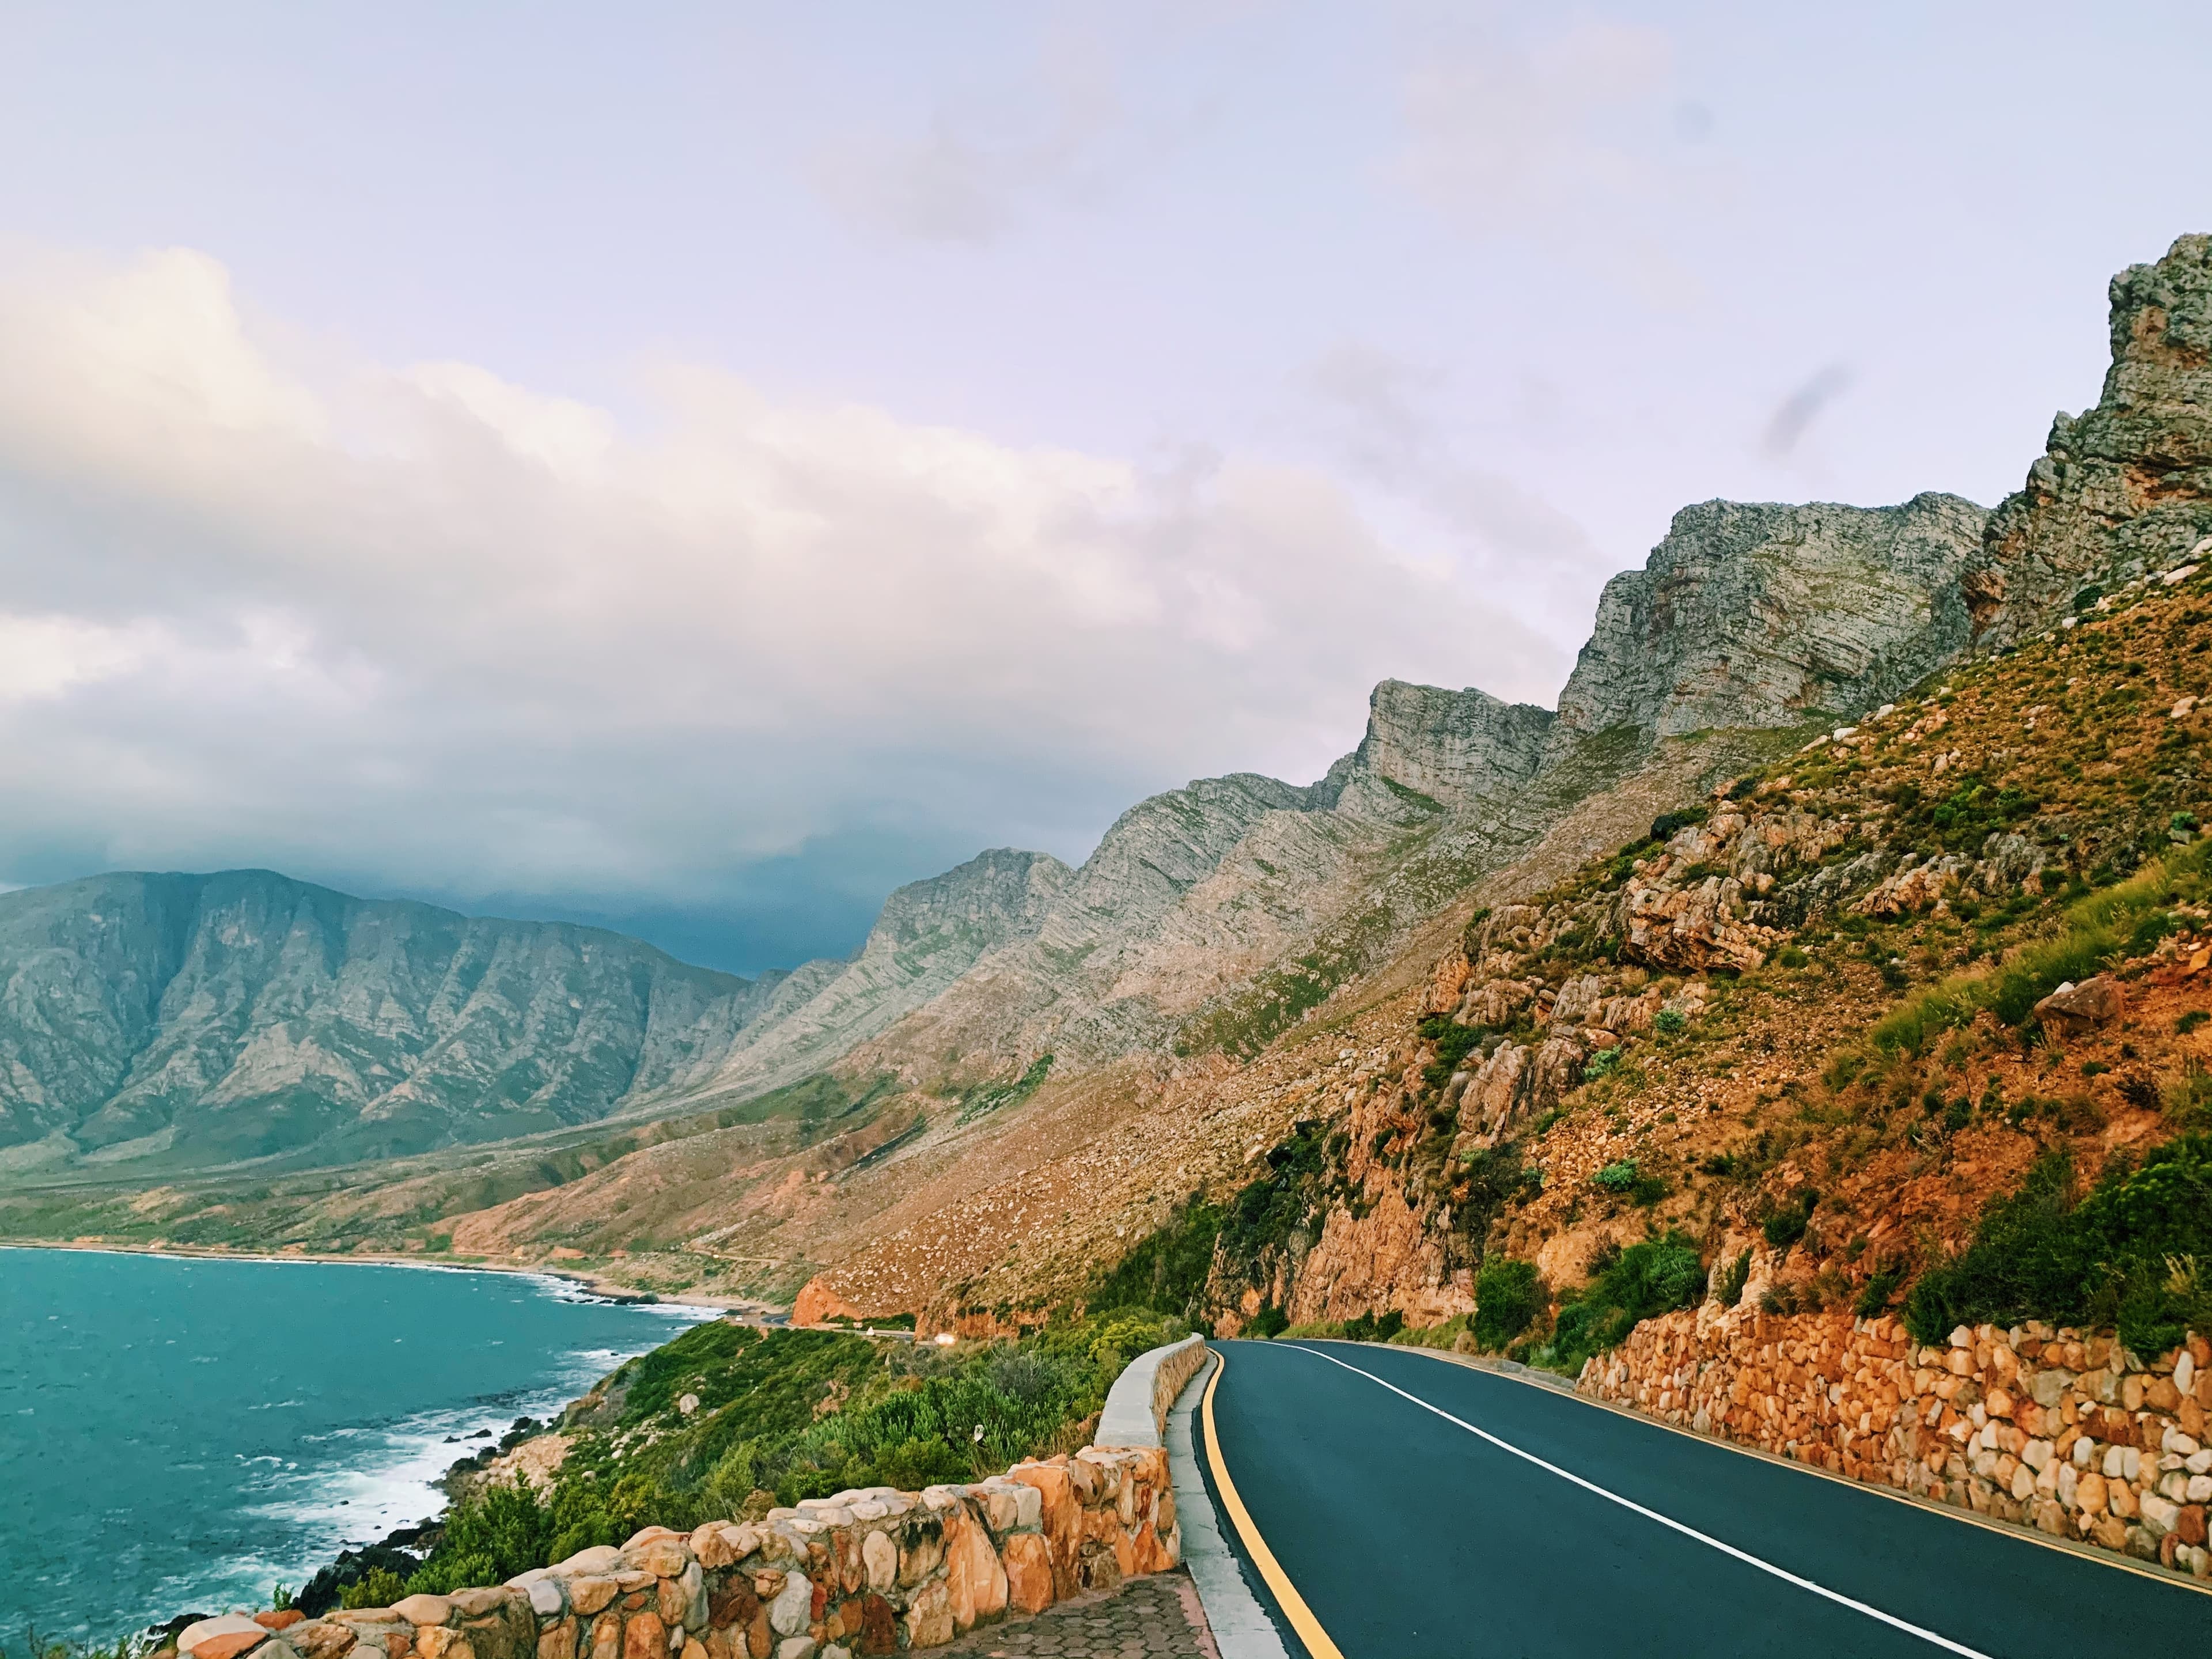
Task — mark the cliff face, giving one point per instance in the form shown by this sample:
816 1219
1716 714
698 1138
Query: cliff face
202 1019
1761 616
2125 489
929 934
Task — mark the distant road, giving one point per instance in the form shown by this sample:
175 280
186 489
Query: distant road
1408 1533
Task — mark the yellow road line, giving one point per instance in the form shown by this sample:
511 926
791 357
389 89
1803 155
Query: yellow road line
1286 1594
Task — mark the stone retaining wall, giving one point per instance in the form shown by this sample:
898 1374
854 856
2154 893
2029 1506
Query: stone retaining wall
1137 1406
2069 1433
869 1572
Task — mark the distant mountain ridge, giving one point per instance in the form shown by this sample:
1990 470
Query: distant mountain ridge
172 1021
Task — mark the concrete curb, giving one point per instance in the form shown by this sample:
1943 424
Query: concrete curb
1240 1626
1134 1413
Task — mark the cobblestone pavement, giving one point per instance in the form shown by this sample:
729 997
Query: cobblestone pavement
1145 1619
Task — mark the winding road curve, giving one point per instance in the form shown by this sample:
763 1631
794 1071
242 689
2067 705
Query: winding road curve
1393 1501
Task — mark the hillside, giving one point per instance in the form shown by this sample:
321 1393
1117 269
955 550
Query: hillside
910 1132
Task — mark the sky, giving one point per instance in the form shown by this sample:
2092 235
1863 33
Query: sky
695 467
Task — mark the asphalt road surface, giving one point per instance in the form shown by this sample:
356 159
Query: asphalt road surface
1407 1532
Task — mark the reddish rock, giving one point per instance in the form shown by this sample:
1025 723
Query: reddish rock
929 1616
588 1595
878 1626
230 1645
1029 1577
2189 1525
644 1637
1063 1521
282 1618
733 1604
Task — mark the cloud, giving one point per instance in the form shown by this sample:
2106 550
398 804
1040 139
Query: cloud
1569 140
1504 539
437 632
1797 412
1077 118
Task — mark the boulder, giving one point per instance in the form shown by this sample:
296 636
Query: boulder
2072 1009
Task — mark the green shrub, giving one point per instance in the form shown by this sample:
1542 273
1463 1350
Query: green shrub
786 1415
1507 1299
1787 1225
1628 1287
1879 1292
2126 1255
379 1587
1374 1328
1619 1178
1165 1270
2190 1021
1602 1064
1790 957
1732 1280
1270 1321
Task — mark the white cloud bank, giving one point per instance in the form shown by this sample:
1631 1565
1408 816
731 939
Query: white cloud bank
447 634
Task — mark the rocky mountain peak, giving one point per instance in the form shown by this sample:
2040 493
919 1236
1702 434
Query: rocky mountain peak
998 894
2125 489
1428 747
1760 614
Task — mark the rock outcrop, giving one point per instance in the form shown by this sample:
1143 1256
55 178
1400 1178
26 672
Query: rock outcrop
1762 615
2124 490
929 934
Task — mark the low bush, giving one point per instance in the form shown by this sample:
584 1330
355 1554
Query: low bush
1507 1299
2125 1254
1737 1276
1626 1287
785 1415
1787 1225
1374 1328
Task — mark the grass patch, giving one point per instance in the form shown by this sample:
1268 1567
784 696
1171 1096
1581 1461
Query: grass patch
2124 920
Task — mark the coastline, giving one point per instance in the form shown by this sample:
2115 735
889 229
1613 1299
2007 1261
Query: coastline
751 1310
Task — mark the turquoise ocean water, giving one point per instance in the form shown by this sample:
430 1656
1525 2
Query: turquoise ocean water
176 1435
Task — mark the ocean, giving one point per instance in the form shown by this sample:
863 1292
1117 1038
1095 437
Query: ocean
178 1435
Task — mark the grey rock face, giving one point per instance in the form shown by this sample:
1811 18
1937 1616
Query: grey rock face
209 1018
929 934
2125 489
1427 747
1758 616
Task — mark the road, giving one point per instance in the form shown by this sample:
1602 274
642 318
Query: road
1407 1532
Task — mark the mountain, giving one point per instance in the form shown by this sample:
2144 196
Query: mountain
175 1022
193 1020
2124 490
1029 1068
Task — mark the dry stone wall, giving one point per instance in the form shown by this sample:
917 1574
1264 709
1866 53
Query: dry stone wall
870 1571
2069 1433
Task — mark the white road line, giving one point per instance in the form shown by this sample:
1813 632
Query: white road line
1744 1555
